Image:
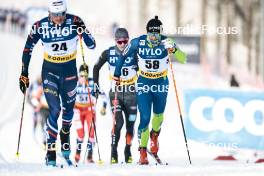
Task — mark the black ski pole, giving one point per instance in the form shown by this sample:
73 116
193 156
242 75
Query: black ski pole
20 127
95 132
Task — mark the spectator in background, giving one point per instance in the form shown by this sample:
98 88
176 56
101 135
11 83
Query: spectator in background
22 21
114 26
13 20
233 81
40 107
3 13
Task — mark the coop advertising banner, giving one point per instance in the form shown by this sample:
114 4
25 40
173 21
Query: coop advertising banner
225 117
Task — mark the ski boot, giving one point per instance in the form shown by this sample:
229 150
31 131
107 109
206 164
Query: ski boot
154 143
90 152
128 156
51 155
77 156
143 160
114 155
90 157
65 142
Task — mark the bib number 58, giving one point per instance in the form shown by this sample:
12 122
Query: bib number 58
152 64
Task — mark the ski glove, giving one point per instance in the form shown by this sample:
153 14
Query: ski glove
116 80
23 82
103 111
170 45
172 48
80 26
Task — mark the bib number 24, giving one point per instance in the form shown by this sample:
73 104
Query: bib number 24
59 47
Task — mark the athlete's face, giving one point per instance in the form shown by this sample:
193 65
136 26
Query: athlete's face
154 37
83 77
58 18
122 43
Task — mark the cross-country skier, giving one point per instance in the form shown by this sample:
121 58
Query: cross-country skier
33 100
59 35
40 107
84 112
126 98
153 51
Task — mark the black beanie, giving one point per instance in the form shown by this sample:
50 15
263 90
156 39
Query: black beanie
154 25
84 68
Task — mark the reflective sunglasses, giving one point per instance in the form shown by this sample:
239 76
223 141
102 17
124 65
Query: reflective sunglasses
119 42
153 34
60 14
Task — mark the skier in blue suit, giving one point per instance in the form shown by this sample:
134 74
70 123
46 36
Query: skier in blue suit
59 33
153 52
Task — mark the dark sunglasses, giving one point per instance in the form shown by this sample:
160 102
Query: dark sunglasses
119 42
156 35
60 14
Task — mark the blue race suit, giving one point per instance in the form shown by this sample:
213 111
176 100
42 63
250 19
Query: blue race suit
59 73
152 84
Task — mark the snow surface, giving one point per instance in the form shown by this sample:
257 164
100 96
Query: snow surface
172 146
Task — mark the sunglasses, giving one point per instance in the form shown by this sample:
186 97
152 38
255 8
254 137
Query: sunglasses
60 14
156 35
83 76
119 42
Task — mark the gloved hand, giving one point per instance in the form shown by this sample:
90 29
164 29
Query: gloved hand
170 45
117 80
79 25
103 111
23 82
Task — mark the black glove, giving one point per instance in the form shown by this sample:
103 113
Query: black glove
117 80
23 82
79 25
